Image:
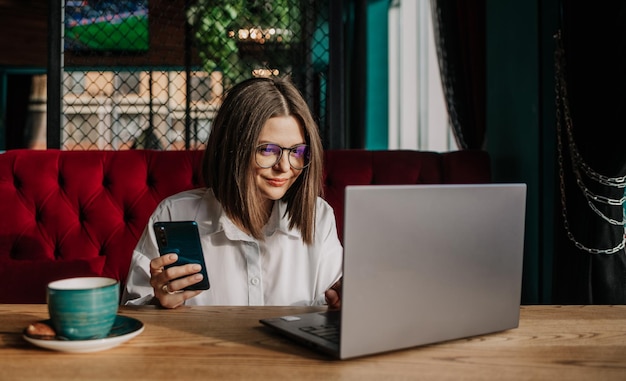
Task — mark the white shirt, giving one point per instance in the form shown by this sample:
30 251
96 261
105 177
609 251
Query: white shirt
281 270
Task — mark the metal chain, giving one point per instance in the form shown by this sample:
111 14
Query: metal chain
562 109
591 197
619 182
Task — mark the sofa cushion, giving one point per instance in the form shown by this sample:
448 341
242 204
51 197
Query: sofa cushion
362 167
79 213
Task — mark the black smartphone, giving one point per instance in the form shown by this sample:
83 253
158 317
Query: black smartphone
182 238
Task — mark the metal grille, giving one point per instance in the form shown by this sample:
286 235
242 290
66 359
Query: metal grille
151 73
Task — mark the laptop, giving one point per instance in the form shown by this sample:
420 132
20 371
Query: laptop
422 264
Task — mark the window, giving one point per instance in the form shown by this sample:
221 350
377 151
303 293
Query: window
418 118
74 82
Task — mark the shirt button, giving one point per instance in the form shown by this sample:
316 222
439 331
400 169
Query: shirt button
254 281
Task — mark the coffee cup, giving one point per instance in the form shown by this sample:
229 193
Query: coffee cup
83 308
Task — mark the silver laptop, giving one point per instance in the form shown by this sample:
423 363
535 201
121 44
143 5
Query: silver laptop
422 264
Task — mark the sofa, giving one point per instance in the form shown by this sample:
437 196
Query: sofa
80 213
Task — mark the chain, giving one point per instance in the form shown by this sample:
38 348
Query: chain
618 182
562 110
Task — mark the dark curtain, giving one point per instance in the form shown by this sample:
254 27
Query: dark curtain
590 73
460 38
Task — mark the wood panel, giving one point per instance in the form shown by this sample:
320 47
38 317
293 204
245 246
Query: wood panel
23 33
228 343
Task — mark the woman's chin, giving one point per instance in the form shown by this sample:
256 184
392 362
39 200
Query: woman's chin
273 195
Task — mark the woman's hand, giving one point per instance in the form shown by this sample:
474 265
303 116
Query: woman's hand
168 288
333 296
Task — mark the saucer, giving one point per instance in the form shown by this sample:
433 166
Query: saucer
124 329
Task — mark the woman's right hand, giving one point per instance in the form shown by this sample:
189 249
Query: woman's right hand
168 284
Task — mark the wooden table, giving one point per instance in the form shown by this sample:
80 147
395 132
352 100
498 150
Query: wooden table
552 342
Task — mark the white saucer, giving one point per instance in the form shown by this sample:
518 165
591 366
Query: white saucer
124 329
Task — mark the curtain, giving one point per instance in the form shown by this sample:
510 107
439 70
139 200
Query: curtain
460 38
590 76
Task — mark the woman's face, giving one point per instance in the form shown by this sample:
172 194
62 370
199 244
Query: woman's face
273 182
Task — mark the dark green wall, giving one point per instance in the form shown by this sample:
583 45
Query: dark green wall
377 106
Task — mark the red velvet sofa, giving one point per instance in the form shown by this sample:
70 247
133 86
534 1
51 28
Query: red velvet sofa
80 213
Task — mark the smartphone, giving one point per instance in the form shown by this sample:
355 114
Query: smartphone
182 238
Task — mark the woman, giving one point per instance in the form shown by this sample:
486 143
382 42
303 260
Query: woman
267 236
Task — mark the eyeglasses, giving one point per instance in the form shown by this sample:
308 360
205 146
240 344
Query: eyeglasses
268 155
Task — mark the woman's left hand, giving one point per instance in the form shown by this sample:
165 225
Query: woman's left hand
333 296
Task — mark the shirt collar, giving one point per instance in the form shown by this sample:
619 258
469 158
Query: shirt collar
278 221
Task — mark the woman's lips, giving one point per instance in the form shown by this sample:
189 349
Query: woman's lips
277 182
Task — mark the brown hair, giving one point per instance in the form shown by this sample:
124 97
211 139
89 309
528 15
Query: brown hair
228 157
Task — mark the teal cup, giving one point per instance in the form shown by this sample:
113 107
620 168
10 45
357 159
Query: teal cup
83 308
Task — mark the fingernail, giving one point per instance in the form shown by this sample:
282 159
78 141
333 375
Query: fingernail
196 268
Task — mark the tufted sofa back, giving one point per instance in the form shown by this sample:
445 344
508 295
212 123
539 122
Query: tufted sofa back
80 213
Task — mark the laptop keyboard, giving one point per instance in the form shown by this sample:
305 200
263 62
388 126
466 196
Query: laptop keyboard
329 330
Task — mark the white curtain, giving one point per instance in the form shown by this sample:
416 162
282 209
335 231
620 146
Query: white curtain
417 112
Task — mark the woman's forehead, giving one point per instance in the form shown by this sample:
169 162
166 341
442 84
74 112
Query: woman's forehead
283 130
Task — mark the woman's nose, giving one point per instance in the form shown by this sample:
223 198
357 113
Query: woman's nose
283 164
